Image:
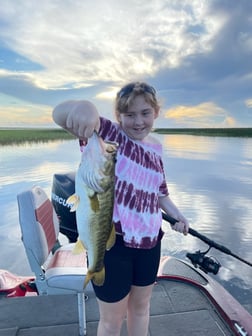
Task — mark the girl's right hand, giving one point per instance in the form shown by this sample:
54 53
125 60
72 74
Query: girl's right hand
82 119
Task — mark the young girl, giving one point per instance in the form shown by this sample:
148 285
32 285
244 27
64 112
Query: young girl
140 194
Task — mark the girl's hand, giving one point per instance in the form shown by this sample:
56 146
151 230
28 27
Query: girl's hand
82 119
170 208
182 226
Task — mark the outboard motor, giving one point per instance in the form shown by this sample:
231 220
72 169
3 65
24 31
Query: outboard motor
63 187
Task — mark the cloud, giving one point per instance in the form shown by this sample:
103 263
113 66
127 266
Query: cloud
203 115
74 42
229 122
248 103
25 114
108 95
193 52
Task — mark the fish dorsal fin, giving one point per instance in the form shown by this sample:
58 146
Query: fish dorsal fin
94 202
111 241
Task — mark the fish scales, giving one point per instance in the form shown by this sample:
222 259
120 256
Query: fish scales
93 202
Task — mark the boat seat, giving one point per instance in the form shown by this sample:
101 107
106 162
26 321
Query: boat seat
57 269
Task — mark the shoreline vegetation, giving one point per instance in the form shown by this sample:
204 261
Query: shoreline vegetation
22 135
11 136
226 132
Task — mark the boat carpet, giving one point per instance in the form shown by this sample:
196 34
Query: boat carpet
176 309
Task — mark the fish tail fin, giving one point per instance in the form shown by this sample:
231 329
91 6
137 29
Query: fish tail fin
112 237
97 277
74 200
79 247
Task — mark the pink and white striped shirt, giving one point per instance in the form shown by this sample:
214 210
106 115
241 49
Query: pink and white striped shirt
139 181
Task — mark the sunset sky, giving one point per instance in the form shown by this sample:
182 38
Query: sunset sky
196 53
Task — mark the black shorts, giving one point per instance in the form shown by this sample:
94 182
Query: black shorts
124 267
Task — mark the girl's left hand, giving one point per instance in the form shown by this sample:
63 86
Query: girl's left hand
182 226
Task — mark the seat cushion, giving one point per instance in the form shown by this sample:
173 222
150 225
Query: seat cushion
66 269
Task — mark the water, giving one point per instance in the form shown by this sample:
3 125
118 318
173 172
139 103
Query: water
209 178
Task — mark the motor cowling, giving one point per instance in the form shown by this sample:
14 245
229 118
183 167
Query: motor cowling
64 186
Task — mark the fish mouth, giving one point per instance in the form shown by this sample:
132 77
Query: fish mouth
111 147
98 164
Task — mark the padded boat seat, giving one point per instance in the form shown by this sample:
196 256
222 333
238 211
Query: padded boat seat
57 270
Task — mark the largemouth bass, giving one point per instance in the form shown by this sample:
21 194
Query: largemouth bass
93 202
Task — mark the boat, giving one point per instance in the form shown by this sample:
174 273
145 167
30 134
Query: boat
186 300
13 285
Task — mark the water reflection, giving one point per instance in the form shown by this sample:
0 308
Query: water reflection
188 146
209 178
247 152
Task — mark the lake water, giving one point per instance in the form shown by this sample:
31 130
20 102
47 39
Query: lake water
209 178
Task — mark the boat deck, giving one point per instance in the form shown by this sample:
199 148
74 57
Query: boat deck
176 308
184 302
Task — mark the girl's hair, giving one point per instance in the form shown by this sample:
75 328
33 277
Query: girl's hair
128 93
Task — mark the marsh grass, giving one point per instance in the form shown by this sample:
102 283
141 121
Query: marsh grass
17 136
226 132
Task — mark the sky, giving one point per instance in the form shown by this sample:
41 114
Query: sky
196 53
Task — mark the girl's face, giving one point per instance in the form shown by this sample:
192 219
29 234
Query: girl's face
138 121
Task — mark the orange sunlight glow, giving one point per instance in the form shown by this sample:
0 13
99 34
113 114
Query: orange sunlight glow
26 115
206 114
189 146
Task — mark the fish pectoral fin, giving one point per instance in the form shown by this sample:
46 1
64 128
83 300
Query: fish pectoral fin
79 247
74 201
94 202
97 277
112 237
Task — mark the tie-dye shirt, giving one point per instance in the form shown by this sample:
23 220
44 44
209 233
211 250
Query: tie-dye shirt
139 181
